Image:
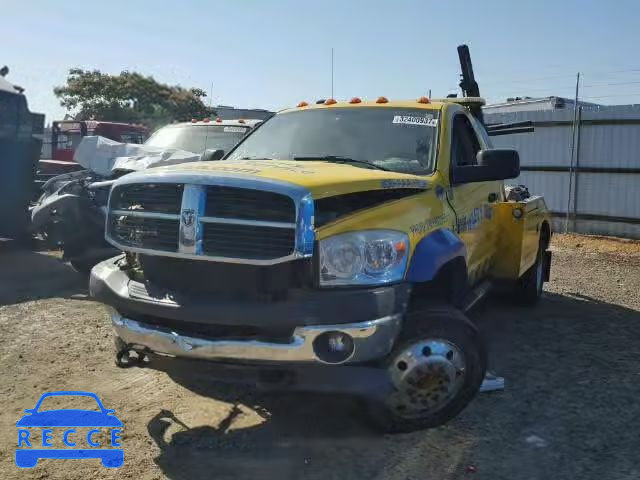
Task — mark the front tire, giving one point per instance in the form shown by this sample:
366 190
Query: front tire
436 369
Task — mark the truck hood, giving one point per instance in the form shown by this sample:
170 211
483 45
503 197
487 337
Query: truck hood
322 179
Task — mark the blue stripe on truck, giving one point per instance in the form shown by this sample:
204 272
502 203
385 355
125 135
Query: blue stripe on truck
432 252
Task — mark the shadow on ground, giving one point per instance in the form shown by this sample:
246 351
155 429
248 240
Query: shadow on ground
27 275
572 384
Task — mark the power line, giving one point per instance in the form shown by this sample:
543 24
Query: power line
567 75
627 94
611 83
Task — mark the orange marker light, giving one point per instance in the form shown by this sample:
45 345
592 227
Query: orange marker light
355 100
401 247
329 101
303 104
382 100
206 120
219 120
424 100
241 120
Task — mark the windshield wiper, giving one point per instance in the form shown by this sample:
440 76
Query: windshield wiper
338 159
256 158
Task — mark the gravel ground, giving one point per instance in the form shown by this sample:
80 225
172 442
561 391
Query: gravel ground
572 369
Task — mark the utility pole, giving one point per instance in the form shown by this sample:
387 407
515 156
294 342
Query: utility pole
573 148
331 72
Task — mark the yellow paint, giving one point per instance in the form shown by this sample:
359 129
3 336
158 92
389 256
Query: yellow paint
323 179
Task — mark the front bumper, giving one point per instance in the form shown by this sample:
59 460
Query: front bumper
372 339
302 307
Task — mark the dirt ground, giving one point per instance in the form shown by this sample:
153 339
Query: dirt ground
570 408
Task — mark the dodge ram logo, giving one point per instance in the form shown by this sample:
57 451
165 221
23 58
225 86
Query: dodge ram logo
188 217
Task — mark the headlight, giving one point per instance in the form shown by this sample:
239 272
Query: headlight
368 257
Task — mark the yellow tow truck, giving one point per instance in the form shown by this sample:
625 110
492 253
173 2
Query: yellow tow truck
335 249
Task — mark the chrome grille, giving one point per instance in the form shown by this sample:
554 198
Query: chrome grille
247 241
220 222
148 197
145 232
232 202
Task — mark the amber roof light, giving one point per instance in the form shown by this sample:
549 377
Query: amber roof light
303 104
424 100
355 100
330 101
382 100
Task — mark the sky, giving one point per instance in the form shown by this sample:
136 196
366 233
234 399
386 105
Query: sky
274 54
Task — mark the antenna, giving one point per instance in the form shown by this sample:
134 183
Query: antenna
211 95
331 72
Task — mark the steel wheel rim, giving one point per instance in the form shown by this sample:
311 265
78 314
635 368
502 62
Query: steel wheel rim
427 376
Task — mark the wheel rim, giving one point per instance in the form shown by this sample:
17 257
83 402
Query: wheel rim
427 376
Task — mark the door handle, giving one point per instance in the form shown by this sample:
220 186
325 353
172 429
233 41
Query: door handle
493 197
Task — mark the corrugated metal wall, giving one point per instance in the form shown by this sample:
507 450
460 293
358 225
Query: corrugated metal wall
604 195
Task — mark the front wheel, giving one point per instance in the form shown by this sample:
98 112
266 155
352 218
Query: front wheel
436 370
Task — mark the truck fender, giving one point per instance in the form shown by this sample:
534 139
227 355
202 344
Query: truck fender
433 252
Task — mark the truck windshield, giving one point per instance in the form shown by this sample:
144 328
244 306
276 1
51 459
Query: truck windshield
401 140
197 138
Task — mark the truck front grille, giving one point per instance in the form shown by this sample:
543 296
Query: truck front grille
143 232
148 197
246 241
221 221
232 202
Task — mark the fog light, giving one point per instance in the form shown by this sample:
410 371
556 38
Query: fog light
333 347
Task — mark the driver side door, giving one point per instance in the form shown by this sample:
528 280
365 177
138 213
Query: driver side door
473 203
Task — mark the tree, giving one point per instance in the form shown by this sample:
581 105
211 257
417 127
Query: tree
129 97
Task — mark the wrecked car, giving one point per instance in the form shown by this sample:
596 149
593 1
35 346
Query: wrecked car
335 249
70 212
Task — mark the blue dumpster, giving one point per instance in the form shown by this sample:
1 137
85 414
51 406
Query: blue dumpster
20 144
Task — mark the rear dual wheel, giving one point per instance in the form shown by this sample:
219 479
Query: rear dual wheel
530 286
436 370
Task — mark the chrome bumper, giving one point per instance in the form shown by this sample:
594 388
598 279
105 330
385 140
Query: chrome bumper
372 339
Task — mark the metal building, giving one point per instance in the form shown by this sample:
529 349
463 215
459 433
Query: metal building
529 104
588 170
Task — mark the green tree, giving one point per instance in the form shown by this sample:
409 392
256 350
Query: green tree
129 97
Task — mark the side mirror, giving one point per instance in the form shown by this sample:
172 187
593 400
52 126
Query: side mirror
494 164
209 155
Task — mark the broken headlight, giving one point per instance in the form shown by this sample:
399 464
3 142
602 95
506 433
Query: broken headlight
369 257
